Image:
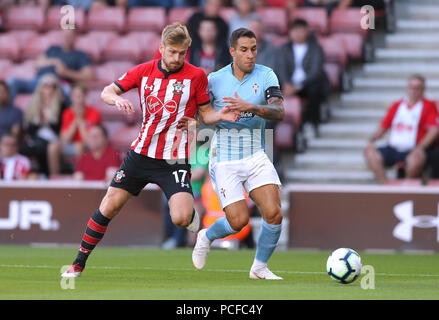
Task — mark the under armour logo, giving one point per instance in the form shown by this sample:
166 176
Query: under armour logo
185 185
404 229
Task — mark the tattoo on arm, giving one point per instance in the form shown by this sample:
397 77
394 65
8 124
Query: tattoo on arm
274 110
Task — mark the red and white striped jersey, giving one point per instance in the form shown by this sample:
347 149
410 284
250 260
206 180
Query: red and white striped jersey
165 97
16 167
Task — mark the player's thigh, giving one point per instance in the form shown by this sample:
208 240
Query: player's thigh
267 199
181 206
227 180
113 201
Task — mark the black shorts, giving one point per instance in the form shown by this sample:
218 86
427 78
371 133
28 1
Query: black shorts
391 156
137 171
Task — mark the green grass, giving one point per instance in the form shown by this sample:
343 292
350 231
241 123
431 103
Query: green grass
137 273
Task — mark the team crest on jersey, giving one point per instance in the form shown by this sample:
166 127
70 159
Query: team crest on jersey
255 87
178 87
119 175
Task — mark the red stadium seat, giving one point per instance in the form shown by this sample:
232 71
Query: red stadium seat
276 3
433 182
347 20
38 45
124 48
276 39
181 14
55 17
108 72
23 36
334 50
106 18
293 109
124 137
22 100
89 46
275 19
404 182
150 18
100 38
9 47
5 64
317 18
333 71
25 17
25 70
353 43
227 13
284 135
149 42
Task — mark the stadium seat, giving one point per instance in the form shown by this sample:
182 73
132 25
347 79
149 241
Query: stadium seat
284 135
23 36
55 17
276 39
149 42
293 109
124 48
275 19
146 19
333 71
22 101
404 182
24 70
353 42
334 49
38 45
25 17
181 14
433 182
88 45
124 136
9 47
106 18
108 72
227 13
5 64
317 18
113 127
99 38
276 3
347 20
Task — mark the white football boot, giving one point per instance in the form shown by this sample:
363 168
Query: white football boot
263 273
201 250
74 271
194 226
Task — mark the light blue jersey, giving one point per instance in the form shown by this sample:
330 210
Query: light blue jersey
241 139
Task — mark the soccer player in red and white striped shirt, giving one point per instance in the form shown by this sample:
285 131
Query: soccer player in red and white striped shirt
170 91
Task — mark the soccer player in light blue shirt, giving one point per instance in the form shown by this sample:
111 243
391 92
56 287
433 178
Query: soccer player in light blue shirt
237 157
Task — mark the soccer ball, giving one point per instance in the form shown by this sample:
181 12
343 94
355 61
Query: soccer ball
344 265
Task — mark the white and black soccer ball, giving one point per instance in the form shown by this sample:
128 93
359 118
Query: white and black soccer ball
344 265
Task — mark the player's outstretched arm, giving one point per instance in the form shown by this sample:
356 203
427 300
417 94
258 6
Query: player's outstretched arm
111 96
210 116
273 110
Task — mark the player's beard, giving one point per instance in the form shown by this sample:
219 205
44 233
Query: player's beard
172 66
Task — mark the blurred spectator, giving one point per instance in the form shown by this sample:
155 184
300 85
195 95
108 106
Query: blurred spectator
302 71
76 122
245 12
211 54
211 10
14 166
329 5
11 118
69 64
101 160
413 125
268 54
42 123
376 4
84 4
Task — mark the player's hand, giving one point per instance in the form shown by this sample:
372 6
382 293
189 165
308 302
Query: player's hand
237 103
185 122
124 105
227 114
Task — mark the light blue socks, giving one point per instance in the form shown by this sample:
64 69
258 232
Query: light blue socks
267 241
220 229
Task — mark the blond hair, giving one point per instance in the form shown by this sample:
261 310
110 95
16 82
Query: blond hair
33 113
176 34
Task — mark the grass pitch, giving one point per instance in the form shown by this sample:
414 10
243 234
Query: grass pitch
154 274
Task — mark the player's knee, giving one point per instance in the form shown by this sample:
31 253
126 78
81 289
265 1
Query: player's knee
181 218
238 223
275 216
